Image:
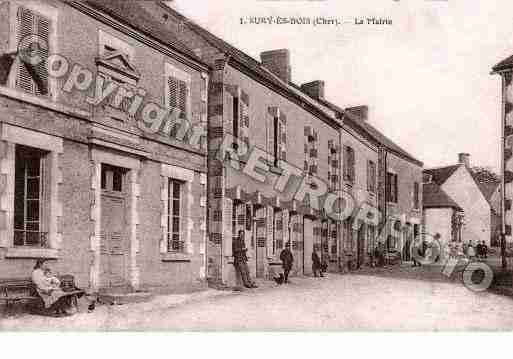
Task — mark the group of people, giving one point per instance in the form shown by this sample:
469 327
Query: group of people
469 250
49 288
240 262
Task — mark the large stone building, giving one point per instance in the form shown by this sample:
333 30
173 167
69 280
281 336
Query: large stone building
387 177
92 186
256 103
114 196
505 70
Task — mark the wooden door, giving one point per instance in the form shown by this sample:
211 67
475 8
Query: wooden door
261 241
114 239
361 246
308 240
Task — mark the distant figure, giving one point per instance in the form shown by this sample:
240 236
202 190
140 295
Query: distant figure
379 260
316 264
465 248
479 250
287 259
240 260
484 249
419 249
471 252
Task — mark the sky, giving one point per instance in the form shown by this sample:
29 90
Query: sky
426 78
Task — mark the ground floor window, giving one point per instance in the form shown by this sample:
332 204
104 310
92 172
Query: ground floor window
30 197
371 238
175 242
348 235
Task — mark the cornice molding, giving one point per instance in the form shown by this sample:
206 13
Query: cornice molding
145 39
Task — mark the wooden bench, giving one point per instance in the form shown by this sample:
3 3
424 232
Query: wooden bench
15 290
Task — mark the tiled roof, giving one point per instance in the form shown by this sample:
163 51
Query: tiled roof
441 174
355 122
504 64
434 197
133 14
253 65
488 189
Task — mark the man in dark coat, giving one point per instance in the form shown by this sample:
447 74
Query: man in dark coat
316 264
287 259
484 249
240 260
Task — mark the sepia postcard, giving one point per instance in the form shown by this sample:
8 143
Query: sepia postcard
257 165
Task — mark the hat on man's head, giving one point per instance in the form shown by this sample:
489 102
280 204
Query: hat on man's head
39 263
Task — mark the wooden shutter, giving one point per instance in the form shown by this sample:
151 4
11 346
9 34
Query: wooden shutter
282 137
33 79
352 158
244 119
178 93
416 195
388 184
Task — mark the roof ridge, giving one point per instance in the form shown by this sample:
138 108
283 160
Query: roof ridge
440 167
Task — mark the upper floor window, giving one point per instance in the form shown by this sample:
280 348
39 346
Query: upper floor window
280 139
416 195
371 177
30 197
349 163
391 188
236 117
31 78
178 87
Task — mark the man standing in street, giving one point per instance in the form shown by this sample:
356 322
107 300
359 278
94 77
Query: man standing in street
287 259
240 260
316 264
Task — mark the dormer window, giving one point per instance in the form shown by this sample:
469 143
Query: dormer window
115 65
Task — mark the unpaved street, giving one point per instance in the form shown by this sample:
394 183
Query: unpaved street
370 300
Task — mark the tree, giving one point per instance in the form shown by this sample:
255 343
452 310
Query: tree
485 175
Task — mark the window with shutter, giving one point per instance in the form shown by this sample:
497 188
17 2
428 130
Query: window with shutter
178 86
391 188
416 195
276 140
371 177
33 78
236 116
349 163
177 95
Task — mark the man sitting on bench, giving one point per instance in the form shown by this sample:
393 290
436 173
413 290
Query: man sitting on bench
48 288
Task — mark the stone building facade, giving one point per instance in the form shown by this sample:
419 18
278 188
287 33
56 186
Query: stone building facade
92 186
256 105
118 198
505 70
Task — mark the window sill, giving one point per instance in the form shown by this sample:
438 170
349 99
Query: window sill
275 170
20 252
44 102
175 257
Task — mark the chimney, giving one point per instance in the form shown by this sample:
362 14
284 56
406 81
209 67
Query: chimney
278 62
362 112
314 89
464 159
